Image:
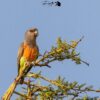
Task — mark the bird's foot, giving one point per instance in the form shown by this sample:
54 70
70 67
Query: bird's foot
28 64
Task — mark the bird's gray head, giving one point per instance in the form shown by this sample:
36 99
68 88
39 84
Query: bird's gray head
31 34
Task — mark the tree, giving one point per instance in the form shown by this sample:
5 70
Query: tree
55 89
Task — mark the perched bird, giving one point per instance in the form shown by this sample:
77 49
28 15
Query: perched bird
27 52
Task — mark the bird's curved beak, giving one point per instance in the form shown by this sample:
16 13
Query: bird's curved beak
36 33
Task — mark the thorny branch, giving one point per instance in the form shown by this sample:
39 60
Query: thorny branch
56 88
62 51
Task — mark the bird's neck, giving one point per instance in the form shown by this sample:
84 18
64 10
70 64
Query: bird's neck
30 43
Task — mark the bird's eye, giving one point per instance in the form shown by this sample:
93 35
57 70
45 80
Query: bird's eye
32 30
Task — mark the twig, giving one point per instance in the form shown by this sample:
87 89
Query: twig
20 94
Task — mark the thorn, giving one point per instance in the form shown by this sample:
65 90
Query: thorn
81 39
48 66
85 62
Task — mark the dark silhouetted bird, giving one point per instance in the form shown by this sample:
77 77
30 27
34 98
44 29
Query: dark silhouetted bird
56 3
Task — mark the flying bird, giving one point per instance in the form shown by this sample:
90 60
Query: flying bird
56 3
28 51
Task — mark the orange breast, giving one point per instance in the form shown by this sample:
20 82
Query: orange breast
30 54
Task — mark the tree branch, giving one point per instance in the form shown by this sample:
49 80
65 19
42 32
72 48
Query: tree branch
62 51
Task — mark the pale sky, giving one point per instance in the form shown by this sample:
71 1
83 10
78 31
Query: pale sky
71 21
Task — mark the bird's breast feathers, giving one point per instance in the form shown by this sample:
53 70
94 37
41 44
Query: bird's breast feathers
30 53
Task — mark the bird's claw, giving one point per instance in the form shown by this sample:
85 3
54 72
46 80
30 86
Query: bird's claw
28 64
